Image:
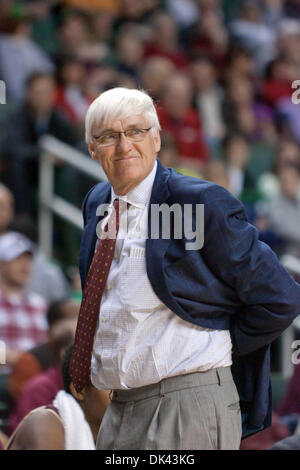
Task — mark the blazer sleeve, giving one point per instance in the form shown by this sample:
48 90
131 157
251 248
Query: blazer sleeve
269 296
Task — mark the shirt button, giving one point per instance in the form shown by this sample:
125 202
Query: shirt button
104 319
105 353
108 286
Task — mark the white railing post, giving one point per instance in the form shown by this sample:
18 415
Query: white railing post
46 188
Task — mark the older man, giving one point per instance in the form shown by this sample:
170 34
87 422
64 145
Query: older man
164 319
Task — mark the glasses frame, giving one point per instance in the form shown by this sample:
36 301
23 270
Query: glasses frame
118 133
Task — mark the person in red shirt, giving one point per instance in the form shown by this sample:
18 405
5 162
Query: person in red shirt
165 41
177 117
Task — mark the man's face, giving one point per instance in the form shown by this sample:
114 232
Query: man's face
125 163
40 95
17 271
6 209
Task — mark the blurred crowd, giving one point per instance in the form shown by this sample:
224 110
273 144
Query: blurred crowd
223 74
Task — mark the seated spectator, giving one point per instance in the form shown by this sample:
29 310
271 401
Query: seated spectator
23 128
284 210
41 389
20 56
264 439
288 40
23 322
72 422
236 153
128 52
287 153
47 278
289 443
178 118
155 75
278 77
41 357
239 64
75 39
290 403
184 12
70 98
169 156
165 41
208 36
7 204
250 31
208 97
215 171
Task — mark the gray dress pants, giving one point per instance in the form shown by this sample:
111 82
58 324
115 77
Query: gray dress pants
193 411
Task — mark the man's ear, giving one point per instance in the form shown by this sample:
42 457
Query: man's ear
157 141
78 395
92 150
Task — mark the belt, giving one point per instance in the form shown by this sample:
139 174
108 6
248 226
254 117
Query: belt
171 384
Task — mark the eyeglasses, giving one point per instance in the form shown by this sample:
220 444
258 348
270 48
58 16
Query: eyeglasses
113 138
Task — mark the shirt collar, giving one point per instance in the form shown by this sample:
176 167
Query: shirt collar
140 195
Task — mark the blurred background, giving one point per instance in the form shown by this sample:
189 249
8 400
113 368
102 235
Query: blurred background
221 73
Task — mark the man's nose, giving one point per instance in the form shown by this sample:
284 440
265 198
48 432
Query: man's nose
124 143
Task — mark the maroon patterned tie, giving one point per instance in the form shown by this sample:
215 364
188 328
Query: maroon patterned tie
80 364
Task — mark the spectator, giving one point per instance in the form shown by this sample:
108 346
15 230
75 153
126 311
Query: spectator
23 127
71 423
6 208
23 314
288 40
177 117
47 278
169 156
41 357
155 75
76 42
41 389
284 210
289 404
20 57
251 32
184 12
165 41
208 36
277 81
69 93
239 64
273 12
129 52
287 154
215 171
208 97
236 152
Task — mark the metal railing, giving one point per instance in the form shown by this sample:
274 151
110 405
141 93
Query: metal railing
51 204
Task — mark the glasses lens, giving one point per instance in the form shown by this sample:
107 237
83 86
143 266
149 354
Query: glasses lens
135 134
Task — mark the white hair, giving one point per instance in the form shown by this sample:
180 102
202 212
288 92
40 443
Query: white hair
120 103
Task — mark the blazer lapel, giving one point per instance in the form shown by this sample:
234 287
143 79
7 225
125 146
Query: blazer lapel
156 248
89 236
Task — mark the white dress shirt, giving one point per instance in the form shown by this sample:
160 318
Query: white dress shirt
138 340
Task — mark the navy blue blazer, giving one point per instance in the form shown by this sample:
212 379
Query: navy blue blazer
233 282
